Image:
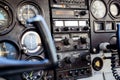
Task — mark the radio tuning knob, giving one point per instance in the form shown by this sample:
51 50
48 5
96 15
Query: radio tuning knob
83 40
65 29
87 57
66 41
83 13
86 28
69 60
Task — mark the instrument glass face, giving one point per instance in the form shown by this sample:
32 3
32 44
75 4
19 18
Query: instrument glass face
8 50
98 9
27 11
31 41
114 9
4 18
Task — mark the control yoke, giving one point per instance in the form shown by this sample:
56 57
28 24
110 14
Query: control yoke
118 40
8 66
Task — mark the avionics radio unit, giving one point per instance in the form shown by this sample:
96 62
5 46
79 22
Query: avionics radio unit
70 30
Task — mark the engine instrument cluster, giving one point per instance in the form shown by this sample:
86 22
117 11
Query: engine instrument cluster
19 40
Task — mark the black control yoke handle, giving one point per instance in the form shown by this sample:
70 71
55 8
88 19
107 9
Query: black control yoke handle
118 40
8 66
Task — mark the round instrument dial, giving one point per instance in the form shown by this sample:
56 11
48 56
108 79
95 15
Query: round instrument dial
31 42
8 50
98 9
4 18
34 75
27 11
114 9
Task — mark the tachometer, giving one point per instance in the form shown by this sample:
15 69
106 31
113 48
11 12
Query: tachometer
98 9
27 11
31 42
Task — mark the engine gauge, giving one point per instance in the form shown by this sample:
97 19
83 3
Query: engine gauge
27 11
34 75
31 42
8 50
4 18
98 9
114 9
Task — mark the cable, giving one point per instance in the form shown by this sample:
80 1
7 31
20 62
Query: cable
114 71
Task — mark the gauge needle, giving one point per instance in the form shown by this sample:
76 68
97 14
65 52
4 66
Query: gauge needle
31 74
4 47
31 42
28 13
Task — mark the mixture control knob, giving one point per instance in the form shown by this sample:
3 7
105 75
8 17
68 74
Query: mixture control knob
82 13
83 40
69 60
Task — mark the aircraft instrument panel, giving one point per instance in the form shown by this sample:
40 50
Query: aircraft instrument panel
83 31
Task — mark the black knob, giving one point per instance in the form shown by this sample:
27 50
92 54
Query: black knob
55 1
70 73
58 48
82 13
66 41
77 73
75 47
82 72
88 58
65 29
83 40
69 60
57 29
86 28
